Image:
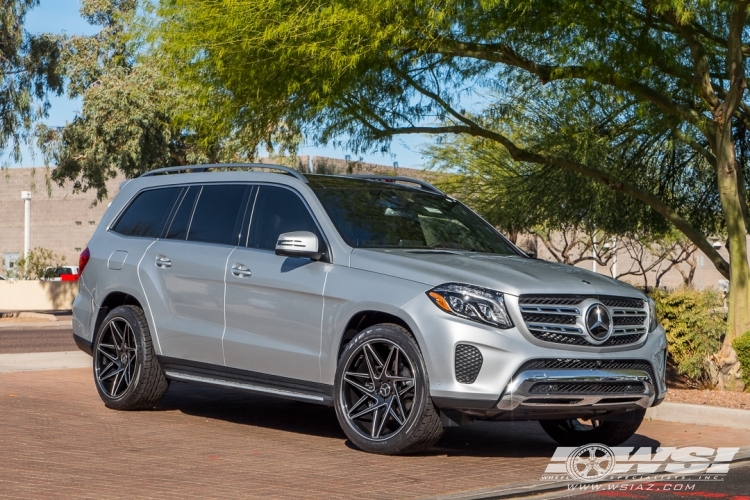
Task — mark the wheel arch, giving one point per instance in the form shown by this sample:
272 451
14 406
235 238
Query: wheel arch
364 319
111 301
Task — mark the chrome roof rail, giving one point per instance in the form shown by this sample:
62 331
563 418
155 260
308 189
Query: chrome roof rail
426 186
225 166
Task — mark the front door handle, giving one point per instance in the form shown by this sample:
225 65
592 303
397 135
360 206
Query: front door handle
163 261
241 270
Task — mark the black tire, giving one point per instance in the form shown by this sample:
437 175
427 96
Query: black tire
573 433
127 374
408 397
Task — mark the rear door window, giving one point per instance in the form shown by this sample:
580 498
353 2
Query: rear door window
147 213
178 229
278 210
218 214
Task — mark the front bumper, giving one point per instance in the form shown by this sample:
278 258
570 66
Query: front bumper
506 388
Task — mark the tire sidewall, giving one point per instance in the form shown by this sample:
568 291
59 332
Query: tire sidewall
127 314
399 336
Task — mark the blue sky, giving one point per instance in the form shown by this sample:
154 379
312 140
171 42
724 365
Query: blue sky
57 16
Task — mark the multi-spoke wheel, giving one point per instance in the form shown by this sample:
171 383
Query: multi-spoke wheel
382 400
579 432
116 358
127 374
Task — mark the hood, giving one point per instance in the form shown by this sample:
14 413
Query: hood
511 274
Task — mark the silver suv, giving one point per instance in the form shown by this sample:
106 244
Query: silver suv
380 296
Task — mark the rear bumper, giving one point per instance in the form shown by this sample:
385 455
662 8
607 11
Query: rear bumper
83 344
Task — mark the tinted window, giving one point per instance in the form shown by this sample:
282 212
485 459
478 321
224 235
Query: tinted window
179 227
148 213
215 217
278 210
376 217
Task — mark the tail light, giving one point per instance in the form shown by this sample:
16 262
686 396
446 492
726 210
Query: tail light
83 260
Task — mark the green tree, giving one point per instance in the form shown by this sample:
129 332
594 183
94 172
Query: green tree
35 266
29 71
133 118
373 70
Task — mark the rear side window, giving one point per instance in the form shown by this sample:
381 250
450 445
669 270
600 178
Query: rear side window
278 210
216 215
179 228
147 214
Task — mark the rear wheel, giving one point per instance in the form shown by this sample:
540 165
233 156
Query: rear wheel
126 371
381 393
578 432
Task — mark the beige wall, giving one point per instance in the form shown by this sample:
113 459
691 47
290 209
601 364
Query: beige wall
60 221
37 295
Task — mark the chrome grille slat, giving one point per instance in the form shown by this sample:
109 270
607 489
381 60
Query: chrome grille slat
554 318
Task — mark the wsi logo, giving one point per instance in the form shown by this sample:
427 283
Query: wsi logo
598 462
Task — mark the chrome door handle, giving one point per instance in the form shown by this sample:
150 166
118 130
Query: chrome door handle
241 271
163 261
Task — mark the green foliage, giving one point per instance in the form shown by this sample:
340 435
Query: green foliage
35 266
130 118
695 323
29 70
742 347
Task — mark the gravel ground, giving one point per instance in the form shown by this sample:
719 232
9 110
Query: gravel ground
739 400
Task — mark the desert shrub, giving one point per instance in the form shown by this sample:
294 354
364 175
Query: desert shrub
742 346
695 323
35 266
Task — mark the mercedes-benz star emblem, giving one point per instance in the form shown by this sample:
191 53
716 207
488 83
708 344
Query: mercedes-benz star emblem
598 322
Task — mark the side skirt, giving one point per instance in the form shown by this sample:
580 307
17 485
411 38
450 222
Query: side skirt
234 378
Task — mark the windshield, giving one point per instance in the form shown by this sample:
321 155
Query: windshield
376 217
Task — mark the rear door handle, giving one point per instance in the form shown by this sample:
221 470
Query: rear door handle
241 270
163 261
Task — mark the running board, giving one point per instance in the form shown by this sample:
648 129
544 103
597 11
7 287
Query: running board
233 378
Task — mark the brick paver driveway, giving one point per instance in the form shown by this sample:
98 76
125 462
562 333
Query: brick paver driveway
58 440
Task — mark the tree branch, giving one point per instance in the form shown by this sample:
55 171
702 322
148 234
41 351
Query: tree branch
520 154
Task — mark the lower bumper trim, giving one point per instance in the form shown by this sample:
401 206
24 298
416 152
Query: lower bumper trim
83 344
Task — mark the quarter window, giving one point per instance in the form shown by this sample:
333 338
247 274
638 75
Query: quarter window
147 214
216 215
279 210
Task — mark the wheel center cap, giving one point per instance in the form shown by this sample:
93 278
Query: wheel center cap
385 390
124 358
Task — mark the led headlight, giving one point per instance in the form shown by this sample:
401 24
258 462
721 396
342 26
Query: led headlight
472 302
653 322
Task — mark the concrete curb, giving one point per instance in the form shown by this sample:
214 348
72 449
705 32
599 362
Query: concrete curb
44 361
684 413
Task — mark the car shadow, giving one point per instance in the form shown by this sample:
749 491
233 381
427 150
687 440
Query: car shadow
479 439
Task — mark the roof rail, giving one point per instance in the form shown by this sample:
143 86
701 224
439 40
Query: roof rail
226 166
426 186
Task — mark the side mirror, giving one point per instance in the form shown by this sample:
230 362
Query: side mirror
530 253
298 244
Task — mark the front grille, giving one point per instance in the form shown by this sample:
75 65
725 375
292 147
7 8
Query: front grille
555 318
468 363
567 300
587 388
558 319
590 364
621 302
629 320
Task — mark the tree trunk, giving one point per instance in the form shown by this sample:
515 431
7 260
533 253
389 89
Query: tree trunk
728 370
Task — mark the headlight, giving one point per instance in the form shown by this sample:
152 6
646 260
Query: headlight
472 302
653 322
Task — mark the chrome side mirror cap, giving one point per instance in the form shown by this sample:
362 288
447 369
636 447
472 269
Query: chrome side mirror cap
298 244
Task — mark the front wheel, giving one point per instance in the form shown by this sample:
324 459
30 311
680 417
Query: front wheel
578 432
381 393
